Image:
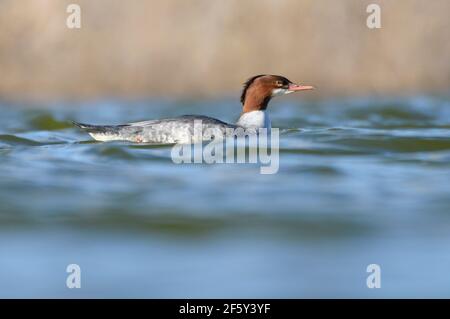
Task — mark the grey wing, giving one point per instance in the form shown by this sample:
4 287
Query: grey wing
206 120
177 130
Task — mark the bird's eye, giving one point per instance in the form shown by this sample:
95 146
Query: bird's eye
278 83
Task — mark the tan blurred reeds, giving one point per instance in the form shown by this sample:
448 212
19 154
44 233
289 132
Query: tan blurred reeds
209 47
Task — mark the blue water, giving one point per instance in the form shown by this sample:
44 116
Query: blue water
361 181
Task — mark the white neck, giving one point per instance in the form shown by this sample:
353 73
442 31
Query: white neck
254 119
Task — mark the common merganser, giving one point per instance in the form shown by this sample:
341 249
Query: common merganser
256 95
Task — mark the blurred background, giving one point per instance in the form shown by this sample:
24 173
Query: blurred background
364 159
208 48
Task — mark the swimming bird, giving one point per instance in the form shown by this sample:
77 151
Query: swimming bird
256 95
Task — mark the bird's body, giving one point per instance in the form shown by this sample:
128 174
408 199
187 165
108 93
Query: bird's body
255 97
164 131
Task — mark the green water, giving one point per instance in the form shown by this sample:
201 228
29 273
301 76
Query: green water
360 181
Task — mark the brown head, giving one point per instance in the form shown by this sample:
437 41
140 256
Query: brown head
258 91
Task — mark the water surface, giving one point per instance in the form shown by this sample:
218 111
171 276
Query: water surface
361 181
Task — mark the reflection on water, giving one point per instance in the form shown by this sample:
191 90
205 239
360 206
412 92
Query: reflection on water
361 181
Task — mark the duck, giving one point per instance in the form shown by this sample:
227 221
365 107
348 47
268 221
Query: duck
256 94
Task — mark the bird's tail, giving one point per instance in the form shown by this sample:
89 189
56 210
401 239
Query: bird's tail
106 132
81 125
98 128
